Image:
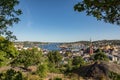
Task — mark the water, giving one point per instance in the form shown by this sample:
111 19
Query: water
51 46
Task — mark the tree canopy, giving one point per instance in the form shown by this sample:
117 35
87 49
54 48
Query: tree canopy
28 58
101 56
7 51
78 61
106 10
8 16
11 75
54 57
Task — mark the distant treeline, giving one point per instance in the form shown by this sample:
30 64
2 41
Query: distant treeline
29 43
104 42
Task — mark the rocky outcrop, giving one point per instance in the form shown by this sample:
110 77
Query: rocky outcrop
98 70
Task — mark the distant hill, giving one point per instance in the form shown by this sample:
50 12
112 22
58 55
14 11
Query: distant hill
113 42
104 42
100 42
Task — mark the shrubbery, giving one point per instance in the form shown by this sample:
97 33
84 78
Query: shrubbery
11 75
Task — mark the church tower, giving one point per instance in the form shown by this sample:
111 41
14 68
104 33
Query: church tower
91 47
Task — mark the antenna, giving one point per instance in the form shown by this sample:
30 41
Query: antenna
90 40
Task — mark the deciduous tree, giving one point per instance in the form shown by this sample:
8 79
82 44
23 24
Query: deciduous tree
106 10
8 16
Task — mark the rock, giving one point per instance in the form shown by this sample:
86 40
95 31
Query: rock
98 70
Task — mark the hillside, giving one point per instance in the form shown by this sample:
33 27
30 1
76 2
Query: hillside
113 42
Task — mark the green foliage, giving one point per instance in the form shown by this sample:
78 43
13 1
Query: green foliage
52 68
69 66
54 57
57 78
8 47
100 56
78 61
107 10
28 58
11 75
7 50
42 70
114 76
8 16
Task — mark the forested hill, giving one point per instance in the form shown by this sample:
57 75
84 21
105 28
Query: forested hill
113 42
98 42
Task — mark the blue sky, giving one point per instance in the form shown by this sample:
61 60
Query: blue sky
56 21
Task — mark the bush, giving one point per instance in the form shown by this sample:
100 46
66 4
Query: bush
11 75
57 78
101 56
28 58
42 70
114 76
78 62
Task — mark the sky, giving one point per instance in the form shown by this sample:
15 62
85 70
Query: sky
56 21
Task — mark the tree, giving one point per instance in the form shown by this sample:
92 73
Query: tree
42 70
69 66
28 58
54 57
7 51
11 75
8 47
106 10
100 56
78 61
8 16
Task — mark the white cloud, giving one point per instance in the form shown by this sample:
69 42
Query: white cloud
29 17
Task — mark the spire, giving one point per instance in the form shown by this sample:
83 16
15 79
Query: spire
91 47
